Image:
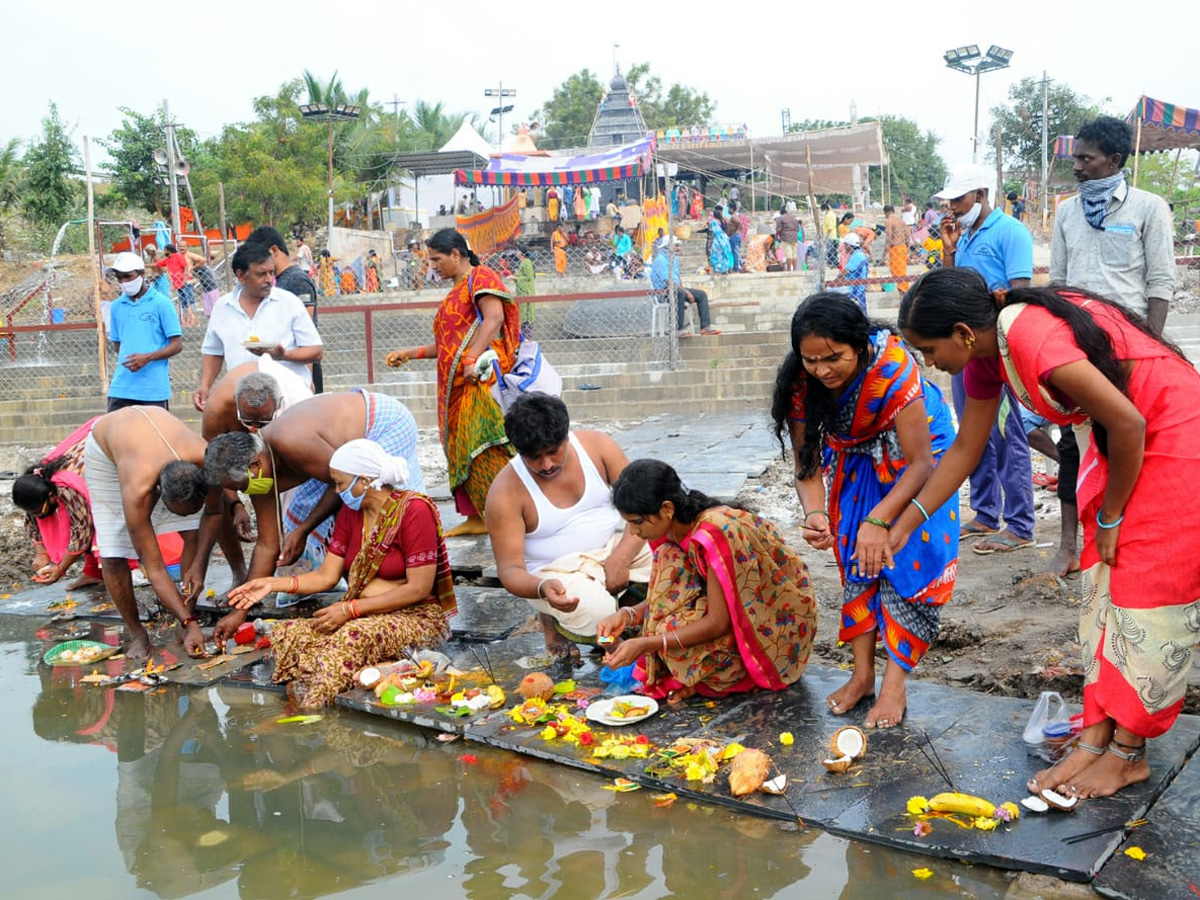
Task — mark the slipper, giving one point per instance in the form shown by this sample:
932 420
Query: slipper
1042 479
588 386
684 335
974 529
1005 545
710 331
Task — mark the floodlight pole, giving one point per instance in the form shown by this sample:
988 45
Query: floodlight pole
975 130
500 93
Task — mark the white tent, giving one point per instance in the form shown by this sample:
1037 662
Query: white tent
467 138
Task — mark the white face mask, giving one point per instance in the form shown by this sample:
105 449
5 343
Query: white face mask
132 288
967 219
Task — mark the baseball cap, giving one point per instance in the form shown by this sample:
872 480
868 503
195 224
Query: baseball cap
964 179
852 239
125 263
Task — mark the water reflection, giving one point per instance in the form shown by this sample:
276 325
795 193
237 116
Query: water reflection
213 795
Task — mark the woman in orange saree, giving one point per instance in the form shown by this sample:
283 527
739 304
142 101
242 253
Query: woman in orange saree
478 314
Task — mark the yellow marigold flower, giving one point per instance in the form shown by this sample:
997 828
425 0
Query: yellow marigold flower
786 739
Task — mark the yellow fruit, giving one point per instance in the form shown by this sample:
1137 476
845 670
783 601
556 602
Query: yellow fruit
967 804
496 696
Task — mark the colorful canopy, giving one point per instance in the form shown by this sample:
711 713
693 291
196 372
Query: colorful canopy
1164 126
625 161
1064 146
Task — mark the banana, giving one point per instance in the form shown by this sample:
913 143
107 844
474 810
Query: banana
967 804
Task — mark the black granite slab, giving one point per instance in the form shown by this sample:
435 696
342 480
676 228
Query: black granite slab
984 755
90 602
487 614
1171 842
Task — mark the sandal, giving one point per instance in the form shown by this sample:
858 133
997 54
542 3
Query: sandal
710 331
973 529
1001 544
1046 480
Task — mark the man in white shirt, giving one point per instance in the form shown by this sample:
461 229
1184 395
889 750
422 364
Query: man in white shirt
256 318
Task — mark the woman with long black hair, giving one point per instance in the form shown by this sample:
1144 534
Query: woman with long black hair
1134 401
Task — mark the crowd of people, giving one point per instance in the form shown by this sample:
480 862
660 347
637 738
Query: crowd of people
694 596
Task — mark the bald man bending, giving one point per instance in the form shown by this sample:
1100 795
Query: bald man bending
144 474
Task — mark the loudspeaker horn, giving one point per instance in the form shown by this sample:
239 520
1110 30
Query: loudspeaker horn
182 167
160 156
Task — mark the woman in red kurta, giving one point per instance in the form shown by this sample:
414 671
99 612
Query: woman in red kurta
477 314
1134 402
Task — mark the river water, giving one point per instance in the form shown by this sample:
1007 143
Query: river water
200 793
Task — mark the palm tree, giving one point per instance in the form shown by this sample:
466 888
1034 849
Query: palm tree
10 181
435 126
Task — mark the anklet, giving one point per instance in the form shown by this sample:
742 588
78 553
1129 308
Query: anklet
1095 751
1123 746
1135 757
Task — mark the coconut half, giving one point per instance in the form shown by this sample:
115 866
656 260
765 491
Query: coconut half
369 677
1059 801
1035 804
848 741
776 785
839 765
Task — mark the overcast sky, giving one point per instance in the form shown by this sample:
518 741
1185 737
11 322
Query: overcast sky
209 61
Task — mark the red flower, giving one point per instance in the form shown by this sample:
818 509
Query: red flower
642 739
587 739
469 758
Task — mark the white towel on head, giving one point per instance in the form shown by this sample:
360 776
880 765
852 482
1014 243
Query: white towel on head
368 459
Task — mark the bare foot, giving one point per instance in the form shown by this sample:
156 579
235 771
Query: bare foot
679 697
139 649
473 525
1064 563
1107 775
1066 771
562 649
888 711
851 693
84 581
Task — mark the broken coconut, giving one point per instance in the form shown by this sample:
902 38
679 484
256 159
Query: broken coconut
776 785
1035 804
748 772
1059 801
369 677
847 744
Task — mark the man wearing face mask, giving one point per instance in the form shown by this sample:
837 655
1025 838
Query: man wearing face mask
1000 249
144 327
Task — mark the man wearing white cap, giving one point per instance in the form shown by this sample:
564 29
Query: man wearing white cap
1000 249
144 326
857 266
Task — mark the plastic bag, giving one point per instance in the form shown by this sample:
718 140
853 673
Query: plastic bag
618 681
1053 727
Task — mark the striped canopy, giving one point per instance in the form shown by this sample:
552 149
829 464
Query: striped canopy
509 170
1164 126
1064 146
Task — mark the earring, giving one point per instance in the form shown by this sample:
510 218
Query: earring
969 340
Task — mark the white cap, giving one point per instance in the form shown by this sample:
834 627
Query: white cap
852 239
125 263
964 179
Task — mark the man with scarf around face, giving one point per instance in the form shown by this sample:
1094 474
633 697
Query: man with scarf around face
1118 242
999 248
1113 239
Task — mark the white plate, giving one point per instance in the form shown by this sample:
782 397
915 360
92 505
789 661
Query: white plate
599 710
266 345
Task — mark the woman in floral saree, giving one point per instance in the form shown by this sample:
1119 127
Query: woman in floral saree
728 608
387 542
853 399
477 314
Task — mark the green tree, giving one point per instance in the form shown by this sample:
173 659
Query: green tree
49 192
131 148
433 126
1020 124
915 168
568 115
10 182
679 106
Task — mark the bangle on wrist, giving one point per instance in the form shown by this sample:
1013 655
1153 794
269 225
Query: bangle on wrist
813 512
421 352
917 503
678 639
539 588
188 620
632 615
873 520
1107 525
664 643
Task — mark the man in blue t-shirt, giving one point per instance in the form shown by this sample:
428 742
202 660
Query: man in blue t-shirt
1000 249
145 330
660 279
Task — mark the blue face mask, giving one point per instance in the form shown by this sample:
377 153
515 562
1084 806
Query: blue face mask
349 499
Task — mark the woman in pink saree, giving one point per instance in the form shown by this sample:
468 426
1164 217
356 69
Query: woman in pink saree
729 607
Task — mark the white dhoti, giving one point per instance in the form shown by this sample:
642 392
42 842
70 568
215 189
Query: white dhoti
108 511
582 575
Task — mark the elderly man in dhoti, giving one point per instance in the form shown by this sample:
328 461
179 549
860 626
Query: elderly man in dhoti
145 476
558 540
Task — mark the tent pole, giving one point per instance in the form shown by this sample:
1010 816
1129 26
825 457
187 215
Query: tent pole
1174 174
1137 148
